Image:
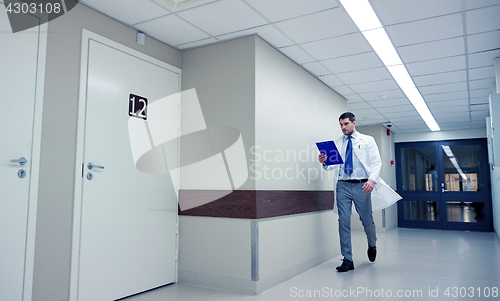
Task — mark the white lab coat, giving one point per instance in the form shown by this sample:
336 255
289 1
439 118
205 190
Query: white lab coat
367 152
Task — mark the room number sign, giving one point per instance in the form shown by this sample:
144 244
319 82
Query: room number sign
138 106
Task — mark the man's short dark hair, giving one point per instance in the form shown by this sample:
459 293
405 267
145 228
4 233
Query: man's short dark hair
349 115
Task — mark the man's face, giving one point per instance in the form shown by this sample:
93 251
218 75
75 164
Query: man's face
347 126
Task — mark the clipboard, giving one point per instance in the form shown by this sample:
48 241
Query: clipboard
330 150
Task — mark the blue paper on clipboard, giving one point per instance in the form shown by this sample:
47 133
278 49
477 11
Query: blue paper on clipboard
331 151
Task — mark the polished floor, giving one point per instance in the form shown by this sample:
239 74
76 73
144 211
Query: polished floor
412 264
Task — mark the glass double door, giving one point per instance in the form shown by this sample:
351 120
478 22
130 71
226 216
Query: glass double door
444 185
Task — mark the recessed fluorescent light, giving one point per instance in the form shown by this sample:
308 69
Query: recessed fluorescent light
368 23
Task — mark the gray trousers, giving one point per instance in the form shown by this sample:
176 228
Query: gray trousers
346 194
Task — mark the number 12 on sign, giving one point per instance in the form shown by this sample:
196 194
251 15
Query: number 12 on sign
138 106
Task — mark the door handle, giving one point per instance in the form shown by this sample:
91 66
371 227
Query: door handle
21 160
444 190
90 166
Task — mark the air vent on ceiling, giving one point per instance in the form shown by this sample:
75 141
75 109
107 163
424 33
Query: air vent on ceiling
175 5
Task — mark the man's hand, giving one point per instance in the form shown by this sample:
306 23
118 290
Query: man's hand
322 158
368 187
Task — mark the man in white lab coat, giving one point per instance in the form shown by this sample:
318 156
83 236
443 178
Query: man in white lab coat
356 179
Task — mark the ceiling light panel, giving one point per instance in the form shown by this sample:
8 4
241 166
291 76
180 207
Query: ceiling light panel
223 17
274 10
321 25
398 11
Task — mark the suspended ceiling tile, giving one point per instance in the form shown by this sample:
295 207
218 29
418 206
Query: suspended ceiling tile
120 9
479 100
432 50
470 4
415 129
321 25
160 29
482 107
480 92
488 41
197 43
437 66
484 19
396 130
375 121
297 54
353 62
482 72
399 11
402 114
403 120
483 59
426 30
338 46
331 80
482 83
354 98
343 90
380 103
366 112
447 111
478 115
443 88
446 96
316 68
375 74
448 103
268 32
440 78
169 4
222 17
374 86
376 95
444 117
358 106
455 126
275 10
478 124
396 108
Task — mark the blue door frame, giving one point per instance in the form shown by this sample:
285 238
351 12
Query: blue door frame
441 200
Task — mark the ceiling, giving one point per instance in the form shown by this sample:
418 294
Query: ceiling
447 46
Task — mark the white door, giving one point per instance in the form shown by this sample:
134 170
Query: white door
19 62
128 217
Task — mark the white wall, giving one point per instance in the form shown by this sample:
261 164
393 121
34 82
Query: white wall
57 167
495 173
293 111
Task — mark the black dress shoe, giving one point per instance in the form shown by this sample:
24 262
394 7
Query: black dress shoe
372 253
346 266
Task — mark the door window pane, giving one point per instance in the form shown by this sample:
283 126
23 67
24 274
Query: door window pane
462 167
418 167
465 212
421 210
